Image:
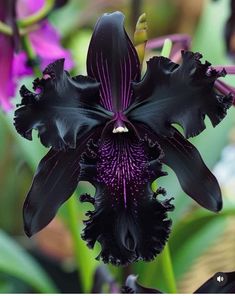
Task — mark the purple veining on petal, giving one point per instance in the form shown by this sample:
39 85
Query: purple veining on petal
107 85
128 220
104 78
114 64
122 167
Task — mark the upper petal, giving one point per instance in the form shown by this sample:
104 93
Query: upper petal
112 60
63 111
183 94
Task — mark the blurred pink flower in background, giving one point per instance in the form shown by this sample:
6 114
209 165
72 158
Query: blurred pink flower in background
45 41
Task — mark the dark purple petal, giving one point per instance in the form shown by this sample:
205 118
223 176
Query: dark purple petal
183 94
54 182
128 221
194 177
63 111
216 287
133 287
112 60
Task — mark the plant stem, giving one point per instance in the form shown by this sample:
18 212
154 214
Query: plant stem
166 49
85 267
5 29
32 57
167 269
135 11
30 20
38 16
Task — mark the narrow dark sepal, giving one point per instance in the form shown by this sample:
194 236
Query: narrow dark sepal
194 176
54 182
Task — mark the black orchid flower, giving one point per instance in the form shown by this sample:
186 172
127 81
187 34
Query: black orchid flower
114 130
219 283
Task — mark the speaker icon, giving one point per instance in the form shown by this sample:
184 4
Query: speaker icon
220 279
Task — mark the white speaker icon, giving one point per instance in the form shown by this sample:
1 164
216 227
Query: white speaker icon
220 279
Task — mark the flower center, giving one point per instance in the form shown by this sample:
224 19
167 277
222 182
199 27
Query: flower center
120 123
120 129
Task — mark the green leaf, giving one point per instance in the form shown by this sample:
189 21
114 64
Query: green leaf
192 237
16 262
